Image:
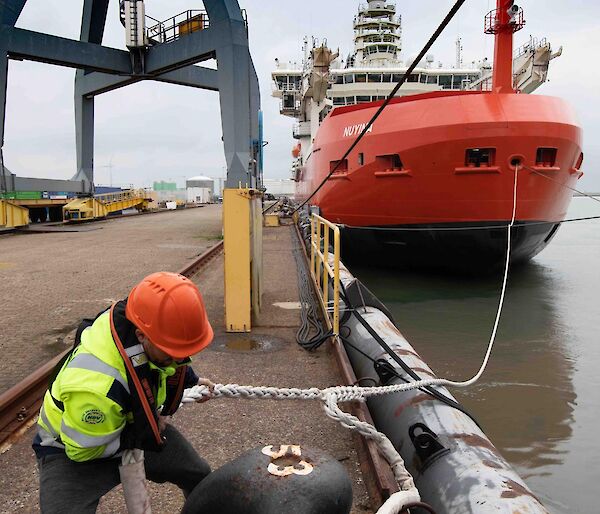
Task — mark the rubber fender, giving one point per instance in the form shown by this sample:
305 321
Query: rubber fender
272 480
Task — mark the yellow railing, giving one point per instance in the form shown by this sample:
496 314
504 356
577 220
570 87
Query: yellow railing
324 265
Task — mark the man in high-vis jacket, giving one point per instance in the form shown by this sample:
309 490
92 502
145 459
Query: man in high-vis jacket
114 392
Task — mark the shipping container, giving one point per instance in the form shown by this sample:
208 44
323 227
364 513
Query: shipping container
21 195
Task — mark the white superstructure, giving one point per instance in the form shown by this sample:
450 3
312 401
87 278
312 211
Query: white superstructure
323 81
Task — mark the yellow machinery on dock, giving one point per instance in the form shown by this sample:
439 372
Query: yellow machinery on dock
12 215
100 206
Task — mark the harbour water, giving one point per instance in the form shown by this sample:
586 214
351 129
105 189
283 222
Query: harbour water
539 400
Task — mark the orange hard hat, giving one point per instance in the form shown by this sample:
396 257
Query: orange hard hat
169 310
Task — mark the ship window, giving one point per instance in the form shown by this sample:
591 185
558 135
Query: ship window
579 162
374 77
350 100
349 79
545 157
342 168
360 99
432 79
397 77
480 157
283 81
339 79
413 77
361 159
458 81
289 101
423 79
387 77
361 77
338 100
446 81
389 162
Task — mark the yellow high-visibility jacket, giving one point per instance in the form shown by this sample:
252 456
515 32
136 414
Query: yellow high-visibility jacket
88 405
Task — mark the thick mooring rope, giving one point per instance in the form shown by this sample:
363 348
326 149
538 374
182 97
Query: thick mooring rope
331 397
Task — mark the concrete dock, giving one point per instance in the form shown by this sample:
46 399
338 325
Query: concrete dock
112 260
50 281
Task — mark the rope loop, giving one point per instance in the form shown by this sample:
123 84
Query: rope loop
331 397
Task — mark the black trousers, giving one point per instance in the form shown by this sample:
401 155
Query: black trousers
68 487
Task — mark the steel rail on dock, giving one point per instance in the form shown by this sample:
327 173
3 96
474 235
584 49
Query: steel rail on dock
20 404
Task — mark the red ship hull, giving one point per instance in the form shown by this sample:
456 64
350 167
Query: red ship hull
432 188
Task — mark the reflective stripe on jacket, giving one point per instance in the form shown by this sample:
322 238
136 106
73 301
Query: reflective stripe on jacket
89 403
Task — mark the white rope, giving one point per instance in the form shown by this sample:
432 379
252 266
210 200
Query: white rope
333 395
132 465
478 375
133 478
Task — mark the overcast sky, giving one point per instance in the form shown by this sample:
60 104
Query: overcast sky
151 131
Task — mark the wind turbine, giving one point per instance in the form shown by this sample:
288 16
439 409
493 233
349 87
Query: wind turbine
110 166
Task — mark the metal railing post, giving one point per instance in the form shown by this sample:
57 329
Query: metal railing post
312 246
326 265
319 256
336 281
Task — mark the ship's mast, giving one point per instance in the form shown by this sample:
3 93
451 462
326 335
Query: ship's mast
459 49
377 33
503 22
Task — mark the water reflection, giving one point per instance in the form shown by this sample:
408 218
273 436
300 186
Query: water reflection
525 399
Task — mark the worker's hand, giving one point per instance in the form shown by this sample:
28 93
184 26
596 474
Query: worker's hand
211 389
163 421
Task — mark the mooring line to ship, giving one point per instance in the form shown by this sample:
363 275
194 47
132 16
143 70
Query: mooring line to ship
392 94
331 396
310 323
533 170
